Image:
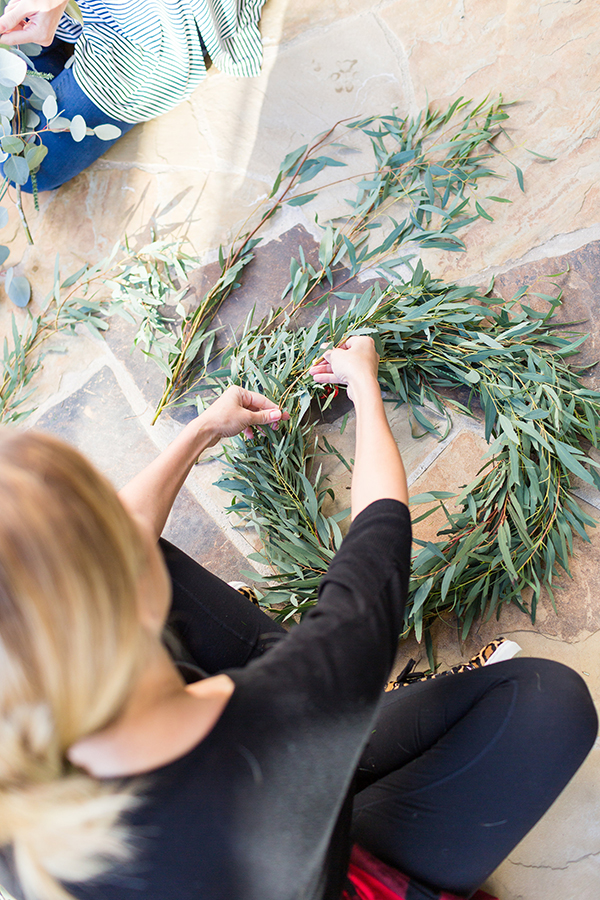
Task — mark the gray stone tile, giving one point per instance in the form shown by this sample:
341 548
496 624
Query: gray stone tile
146 374
98 420
580 282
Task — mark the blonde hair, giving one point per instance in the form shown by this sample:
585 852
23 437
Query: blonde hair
70 647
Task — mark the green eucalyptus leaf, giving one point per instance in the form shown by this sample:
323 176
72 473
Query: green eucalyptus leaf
73 10
18 288
13 69
482 212
30 50
16 169
567 457
32 120
107 132
78 128
11 144
301 200
35 155
50 107
429 496
60 123
40 87
292 158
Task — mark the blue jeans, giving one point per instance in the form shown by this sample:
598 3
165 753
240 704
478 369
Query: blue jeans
66 158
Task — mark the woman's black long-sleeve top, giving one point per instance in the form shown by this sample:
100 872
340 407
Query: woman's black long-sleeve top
261 808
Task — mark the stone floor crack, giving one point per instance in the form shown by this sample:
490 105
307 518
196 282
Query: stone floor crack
571 862
396 45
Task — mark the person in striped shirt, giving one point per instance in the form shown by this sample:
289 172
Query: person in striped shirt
129 62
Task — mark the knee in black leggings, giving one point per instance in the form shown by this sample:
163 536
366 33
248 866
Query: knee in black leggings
556 701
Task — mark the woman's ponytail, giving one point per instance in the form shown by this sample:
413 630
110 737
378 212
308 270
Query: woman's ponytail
71 645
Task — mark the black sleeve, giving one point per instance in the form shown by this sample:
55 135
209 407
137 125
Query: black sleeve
260 809
304 711
342 651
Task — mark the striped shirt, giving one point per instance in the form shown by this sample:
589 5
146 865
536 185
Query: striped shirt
137 59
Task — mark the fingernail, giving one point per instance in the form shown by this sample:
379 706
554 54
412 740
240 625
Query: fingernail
274 415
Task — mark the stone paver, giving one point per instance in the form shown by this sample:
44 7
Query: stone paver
204 166
98 420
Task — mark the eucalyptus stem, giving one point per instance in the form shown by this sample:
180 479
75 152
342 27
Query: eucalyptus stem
21 211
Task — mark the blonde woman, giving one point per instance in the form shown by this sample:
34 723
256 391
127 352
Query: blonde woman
118 780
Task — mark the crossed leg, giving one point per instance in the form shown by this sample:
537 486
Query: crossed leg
460 768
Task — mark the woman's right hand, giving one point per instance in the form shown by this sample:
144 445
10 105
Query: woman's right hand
354 362
237 410
31 21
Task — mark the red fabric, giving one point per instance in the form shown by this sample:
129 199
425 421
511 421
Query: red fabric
374 880
370 888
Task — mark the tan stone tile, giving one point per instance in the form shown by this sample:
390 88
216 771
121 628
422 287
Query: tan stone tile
456 466
175 139
284 21
546 57
414 452
228 111
334 72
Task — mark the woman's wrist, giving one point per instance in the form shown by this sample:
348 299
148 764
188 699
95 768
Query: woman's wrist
365 390
204 432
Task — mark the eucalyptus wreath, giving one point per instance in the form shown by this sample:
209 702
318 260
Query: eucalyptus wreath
515 525
515 522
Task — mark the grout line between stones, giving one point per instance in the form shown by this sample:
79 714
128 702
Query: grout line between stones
463 424
559 245
73 382
161 434
588 495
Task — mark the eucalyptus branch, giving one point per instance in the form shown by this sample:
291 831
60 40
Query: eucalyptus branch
433 180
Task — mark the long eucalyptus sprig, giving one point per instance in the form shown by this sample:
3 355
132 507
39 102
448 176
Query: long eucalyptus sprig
424 169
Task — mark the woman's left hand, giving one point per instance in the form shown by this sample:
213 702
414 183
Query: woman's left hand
238 410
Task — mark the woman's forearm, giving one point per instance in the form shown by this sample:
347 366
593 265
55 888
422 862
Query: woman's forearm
152 492
378 470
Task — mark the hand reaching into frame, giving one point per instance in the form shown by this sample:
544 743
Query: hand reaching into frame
31 21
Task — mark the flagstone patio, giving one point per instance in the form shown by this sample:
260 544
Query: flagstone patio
202 168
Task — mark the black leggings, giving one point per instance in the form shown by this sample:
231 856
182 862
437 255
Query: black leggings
458 769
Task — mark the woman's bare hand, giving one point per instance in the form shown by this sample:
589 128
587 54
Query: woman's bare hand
31 21
352 363
238 410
